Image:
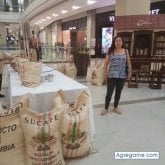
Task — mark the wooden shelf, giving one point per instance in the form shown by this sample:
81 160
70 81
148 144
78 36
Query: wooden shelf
142 43
159 43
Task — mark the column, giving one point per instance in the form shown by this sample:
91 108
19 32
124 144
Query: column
48 34
3 34
91 26
1 5
58 31
132 7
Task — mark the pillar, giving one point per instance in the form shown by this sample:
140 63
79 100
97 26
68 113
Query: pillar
1 5
58 31
3 34
49 34
132 7
91 26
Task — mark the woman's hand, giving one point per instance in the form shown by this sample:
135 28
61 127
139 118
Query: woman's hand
129 75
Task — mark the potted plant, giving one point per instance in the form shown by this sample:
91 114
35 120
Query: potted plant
81 60
6 7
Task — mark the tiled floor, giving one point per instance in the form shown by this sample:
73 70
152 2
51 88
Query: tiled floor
141 127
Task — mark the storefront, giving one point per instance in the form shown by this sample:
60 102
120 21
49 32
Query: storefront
74 32
104 32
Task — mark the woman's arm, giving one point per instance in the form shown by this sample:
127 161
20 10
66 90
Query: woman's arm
106 62
129 65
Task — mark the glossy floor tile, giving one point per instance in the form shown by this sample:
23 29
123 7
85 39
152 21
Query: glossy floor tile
140 127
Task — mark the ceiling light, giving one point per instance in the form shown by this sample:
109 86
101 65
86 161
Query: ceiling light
55 15
43 20
75 7
20 1
64 11
90 2
36 23
39 21
48 17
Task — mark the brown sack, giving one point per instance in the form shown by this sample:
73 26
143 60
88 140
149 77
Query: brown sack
31 74
71 70
42 136
98 75
12 149
61 68
33 55
75 128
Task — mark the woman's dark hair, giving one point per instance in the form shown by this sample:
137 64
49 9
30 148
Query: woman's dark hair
112 47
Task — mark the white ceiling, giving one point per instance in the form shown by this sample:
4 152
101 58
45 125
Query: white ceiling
40 9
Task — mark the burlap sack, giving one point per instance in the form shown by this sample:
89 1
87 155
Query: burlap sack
1 109
75 128
17 63
20 62
61 68
71 70
98 75
23 53
31 74
33 55
12 149
42 137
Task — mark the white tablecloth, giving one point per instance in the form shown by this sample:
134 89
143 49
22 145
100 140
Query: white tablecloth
42 96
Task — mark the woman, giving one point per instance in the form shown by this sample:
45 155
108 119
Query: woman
115 64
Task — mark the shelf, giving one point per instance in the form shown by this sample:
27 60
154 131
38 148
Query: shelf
142 43
159 44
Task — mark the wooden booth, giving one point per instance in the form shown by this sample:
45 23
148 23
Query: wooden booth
144 37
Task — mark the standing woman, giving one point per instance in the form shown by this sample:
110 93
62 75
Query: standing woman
115 72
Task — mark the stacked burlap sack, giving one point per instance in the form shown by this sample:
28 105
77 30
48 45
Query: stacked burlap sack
33 55
75 136
12 144
98 74
17 62
31 74
28 137
69 69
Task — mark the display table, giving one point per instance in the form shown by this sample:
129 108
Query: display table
42 96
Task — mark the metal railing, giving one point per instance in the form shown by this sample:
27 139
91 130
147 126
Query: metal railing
47 52
52 53
7 47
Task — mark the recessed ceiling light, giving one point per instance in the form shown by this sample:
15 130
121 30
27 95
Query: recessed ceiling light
90 2
55 15
75 7
48 17
64 11
43 19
